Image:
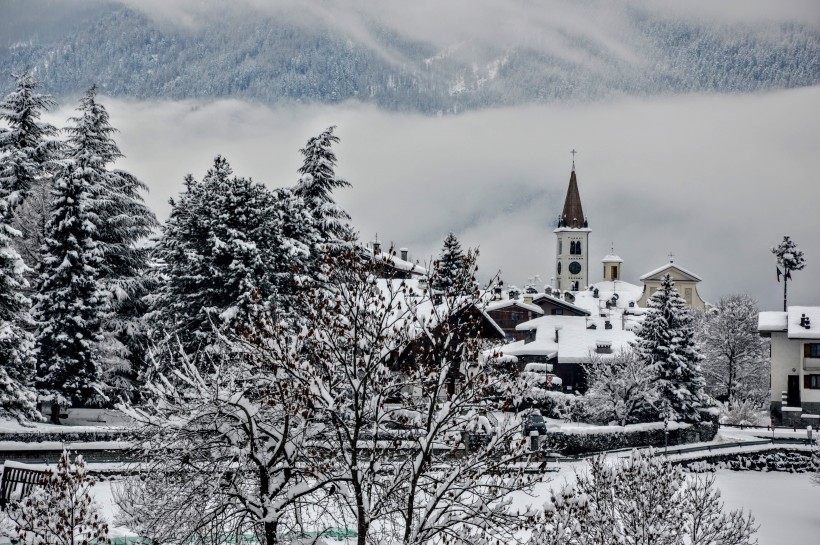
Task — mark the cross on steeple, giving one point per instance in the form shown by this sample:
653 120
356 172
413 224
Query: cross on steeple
671 257
573 152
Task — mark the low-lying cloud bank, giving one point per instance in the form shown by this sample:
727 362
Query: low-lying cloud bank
717 180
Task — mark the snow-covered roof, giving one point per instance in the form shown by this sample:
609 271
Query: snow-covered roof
577 345
411 302
559 302
627 293
496 305
543 347
772 321
797 330
668 266
402 265
612 259
575 340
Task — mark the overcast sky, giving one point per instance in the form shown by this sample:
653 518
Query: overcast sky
716 180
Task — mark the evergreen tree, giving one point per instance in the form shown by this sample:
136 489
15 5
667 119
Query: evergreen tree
450 274
666 342
316 184
123 220
225 256
790 258
27 146
25 149
69 303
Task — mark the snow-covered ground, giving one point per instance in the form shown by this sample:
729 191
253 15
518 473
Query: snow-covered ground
785 505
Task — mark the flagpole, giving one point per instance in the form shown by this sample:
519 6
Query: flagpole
785 286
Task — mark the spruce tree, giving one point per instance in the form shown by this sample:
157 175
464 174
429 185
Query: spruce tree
69 303
666 342
317 182
450 273
123 220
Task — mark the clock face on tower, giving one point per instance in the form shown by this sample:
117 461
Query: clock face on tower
575 267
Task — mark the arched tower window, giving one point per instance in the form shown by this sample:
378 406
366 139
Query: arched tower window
560 246
572 247
578 248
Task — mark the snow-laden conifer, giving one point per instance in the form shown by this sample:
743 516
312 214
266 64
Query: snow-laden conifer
450 270
68 302
122 222
666 343
27 144
316 184
224 256
26 148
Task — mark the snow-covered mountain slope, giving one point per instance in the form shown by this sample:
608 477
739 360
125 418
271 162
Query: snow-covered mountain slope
294 54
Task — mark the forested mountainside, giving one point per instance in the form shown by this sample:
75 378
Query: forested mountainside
274 58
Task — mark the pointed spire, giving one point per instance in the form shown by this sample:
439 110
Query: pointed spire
573 215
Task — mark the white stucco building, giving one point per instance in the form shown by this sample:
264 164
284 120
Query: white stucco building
795 357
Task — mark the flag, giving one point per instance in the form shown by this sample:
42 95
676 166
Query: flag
778 272
788 274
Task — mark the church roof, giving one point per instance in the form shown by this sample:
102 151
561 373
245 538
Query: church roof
573 214
658 273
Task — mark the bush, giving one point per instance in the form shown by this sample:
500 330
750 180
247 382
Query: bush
602 438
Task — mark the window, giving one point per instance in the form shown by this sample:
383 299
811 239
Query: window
811 350
578 248
811 382
515 316
557 312
560 246
572 248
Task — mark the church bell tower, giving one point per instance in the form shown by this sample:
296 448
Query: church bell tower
572 244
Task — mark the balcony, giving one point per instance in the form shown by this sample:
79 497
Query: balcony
811 364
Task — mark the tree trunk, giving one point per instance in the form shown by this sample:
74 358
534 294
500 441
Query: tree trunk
270 529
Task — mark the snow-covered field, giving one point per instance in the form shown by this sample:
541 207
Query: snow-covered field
785 505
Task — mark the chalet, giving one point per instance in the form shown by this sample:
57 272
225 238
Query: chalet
795 364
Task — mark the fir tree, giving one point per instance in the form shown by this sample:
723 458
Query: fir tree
666 342
123 220
316 184
790 257
450 273
68 300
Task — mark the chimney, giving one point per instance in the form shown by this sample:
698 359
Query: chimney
528 299
403 254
